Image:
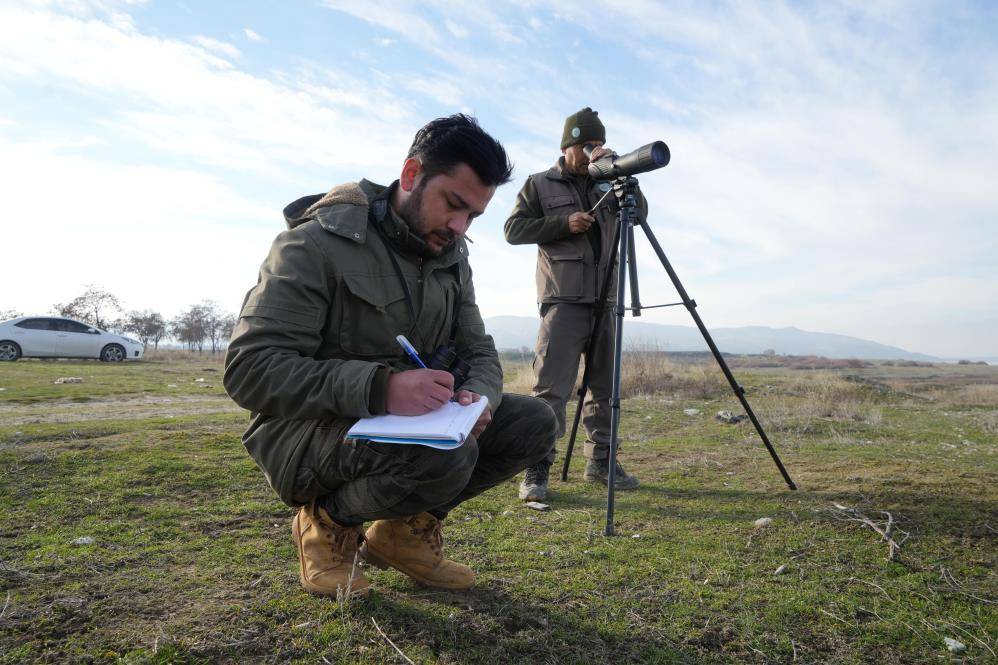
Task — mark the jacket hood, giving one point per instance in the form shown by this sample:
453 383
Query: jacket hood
346 203
344 211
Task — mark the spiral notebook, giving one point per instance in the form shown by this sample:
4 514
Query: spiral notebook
445 428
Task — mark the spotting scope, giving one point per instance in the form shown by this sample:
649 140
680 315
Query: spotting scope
649 157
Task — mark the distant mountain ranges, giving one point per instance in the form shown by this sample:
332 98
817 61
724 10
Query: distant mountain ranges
514 332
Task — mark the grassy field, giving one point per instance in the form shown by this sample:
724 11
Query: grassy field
191 558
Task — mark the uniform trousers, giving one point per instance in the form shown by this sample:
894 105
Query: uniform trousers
561 343
357 480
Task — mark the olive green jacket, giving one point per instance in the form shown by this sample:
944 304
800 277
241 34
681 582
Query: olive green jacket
568 269
315 340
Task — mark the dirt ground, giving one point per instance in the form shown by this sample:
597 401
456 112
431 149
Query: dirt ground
115 408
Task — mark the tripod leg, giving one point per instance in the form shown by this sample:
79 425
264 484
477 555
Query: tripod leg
611 477
575 426
738 390
632 270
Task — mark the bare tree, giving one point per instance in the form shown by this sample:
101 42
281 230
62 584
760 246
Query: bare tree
7 314
94 306
189 328
217 325
147 325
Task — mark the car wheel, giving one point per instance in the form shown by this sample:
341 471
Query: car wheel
9 351
113 353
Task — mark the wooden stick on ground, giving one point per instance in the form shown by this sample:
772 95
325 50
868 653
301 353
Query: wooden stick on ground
390 642
845 514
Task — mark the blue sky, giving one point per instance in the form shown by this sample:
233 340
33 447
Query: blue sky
833 164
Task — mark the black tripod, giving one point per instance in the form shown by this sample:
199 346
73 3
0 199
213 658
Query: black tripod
625 189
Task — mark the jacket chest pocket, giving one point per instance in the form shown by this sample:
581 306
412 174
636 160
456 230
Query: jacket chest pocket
559 205
372 311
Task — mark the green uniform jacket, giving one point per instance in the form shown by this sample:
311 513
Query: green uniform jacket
318 328
568 268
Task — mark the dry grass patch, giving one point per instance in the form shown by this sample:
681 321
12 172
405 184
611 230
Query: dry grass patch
821 396
645 372
980 394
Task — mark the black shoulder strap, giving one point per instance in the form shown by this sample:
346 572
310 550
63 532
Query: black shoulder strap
456 324
378 211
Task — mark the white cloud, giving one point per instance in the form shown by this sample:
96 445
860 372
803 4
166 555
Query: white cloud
180 98
253 35
217 47
453 28
152 235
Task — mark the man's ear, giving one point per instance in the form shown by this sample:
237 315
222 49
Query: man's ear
411 171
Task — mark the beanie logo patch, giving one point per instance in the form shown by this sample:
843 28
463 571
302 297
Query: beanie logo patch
576 132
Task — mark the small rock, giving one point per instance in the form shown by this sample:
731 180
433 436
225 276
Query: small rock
730 418
171 385
83 540
70 601
537 505
507 512
691 412
199 380
763 522
3 390
956 646
646 417
35 458
637 535
68 379
782 569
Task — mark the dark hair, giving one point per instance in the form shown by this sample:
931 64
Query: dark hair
444 143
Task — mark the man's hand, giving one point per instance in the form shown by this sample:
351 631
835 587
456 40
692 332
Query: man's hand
418 391
599 152
579 222
466 397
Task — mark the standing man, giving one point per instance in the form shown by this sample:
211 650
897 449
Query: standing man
572 219
315 349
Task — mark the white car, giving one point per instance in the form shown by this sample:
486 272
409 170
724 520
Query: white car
56 337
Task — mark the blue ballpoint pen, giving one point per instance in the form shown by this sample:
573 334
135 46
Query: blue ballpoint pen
410 350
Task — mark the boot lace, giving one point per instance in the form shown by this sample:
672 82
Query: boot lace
345 540
432 534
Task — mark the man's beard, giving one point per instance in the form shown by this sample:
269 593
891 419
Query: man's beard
412 212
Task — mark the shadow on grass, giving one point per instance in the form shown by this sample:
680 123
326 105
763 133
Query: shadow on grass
926 512
489 625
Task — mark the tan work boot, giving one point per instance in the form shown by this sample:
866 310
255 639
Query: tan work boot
415 546
328 554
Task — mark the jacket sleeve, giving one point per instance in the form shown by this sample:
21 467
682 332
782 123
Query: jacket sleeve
476 347
270 365
528 224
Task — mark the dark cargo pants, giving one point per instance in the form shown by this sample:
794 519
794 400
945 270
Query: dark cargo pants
357 480
561 342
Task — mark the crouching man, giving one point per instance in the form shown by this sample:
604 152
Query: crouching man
315 349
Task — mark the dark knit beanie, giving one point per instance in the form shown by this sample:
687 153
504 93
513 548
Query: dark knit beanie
581 127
